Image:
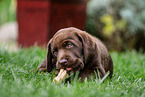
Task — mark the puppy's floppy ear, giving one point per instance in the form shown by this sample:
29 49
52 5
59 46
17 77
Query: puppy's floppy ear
47 64
82 37
49 58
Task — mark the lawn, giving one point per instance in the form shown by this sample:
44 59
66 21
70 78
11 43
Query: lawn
18 77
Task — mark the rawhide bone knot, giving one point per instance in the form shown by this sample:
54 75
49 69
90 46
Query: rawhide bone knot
62 75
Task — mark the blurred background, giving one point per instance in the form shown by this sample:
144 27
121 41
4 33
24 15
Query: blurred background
120 24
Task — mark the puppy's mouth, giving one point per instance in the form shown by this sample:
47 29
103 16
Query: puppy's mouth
73 66
68 69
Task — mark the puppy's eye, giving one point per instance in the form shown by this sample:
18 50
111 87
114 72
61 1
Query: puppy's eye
69 45
54 52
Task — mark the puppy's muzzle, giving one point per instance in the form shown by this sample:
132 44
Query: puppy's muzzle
63 62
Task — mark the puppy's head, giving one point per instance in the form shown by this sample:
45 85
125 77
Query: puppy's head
65 50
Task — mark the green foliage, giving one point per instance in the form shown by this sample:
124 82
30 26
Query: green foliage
133 11
120 23
7 11
111 26
18 77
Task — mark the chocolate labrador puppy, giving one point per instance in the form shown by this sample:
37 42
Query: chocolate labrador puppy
77 51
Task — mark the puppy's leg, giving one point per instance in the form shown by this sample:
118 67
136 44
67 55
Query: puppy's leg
86 73
42 66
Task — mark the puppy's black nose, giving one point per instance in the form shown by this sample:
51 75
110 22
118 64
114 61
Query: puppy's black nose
63 62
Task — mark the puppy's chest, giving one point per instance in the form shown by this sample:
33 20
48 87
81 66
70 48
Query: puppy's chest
87 73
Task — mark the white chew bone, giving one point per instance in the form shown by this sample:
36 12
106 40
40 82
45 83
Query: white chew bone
61 76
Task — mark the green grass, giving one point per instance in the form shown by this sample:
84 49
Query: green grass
19 79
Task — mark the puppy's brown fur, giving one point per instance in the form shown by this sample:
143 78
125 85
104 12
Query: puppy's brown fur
76 50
